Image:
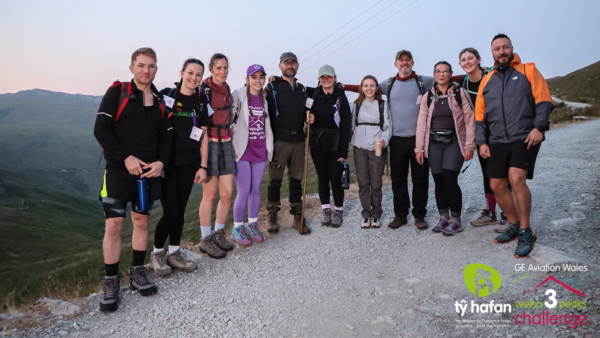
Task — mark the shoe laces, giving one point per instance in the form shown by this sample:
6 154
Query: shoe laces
253 229
454 223
240 233
139 275
485 213
109 287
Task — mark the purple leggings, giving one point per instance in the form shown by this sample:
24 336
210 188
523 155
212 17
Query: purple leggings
248 179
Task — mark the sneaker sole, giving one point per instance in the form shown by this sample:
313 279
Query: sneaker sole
323 224
109 307
437 231
500 232
532 245
483 224
211 255
367 227
495 240
375 227
235 240
192 269
454 233
335 225
163 272
145 292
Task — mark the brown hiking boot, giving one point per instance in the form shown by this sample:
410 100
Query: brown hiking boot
220 240
272 225
296 225
208 246
176 261
398 222
421 224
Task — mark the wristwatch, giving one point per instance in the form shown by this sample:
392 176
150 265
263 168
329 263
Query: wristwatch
205 168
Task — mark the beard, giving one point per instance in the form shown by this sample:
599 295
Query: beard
507 63
290 72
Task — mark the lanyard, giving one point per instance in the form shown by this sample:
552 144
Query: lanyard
194 116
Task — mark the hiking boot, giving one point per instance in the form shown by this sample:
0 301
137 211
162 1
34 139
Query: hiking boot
158 260
220 240
176 261
208 246
421 224
239 235
326 217
375 223
272 225
139 281
454 227
337 218
486 218
298 221
442 224
110 299
502 224
255 235
366 223
398 222
510 234
526 241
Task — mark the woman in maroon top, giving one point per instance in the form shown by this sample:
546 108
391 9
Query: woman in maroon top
221 161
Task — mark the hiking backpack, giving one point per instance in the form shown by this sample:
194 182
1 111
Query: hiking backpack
381 118
126 94
419 80
457 97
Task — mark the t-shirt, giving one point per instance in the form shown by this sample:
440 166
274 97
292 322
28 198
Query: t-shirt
442 118
256 151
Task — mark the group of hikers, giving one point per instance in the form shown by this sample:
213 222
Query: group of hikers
200 131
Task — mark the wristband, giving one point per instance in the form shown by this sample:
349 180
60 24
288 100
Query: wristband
205 168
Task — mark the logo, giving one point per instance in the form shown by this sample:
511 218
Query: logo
256 67
516 77
551 278
481 279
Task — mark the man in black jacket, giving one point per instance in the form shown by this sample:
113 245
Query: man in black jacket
136 135
286 100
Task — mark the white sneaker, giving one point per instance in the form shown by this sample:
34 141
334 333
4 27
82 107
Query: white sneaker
366 223
376 223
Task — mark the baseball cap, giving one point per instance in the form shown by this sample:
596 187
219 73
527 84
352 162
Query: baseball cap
404 51
286 56
255 68
326 70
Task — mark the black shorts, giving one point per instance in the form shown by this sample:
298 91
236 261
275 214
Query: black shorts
120 187
511 155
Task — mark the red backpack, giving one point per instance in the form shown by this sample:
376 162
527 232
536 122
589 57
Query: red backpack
126 95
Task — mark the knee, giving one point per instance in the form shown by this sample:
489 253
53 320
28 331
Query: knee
209 195
517 180
498 184
113 228
140 222
225 195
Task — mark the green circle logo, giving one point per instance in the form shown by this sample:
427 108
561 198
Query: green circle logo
481 280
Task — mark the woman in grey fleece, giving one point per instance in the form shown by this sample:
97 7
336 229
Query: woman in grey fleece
372 129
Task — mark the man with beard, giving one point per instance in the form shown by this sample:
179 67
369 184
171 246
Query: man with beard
512 114
286 100
404 92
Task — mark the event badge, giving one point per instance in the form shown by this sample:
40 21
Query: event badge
309 102
419 99
196 133
169 101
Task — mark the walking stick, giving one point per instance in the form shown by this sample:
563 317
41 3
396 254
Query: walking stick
305 170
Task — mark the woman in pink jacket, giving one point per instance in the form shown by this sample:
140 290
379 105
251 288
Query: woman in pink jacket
446 136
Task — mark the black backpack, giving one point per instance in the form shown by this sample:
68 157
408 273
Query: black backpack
392 79
381 118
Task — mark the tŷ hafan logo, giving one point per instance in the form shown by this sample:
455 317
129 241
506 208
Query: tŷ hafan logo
482 281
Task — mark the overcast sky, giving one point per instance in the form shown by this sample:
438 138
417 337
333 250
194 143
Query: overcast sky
82 46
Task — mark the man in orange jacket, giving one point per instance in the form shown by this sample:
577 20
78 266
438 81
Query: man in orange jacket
512 114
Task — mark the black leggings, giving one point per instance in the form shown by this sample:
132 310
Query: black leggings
329 170
447 191
176 189
486 180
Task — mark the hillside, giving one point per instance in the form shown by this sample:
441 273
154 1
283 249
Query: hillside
48 136
582 85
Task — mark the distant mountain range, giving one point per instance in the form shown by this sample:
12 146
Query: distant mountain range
582 85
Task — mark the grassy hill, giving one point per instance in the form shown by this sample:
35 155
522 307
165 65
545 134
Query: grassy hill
582 85
48 136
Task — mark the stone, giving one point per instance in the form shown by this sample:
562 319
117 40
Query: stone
349 327
63 333
60 307
190 255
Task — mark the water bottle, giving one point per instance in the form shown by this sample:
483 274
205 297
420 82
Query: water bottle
345 175
143 194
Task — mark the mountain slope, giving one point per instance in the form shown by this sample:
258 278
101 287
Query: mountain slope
582 85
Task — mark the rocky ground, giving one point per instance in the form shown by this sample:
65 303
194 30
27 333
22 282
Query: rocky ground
350 282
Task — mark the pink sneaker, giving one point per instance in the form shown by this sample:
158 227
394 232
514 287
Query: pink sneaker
239 235
254 233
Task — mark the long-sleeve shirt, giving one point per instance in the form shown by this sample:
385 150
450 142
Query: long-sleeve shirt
364 136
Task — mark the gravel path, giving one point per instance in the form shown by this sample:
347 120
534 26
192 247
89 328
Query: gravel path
350 282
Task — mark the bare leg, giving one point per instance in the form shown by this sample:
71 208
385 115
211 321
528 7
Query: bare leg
139 238
521 195
225 193
209 193
504 198
111 245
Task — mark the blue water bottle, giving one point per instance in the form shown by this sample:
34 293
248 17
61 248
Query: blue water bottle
143 195
345 175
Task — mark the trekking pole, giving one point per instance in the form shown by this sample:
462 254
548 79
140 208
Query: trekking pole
305 169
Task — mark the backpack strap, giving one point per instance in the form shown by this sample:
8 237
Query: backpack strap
381 118
381 107
429 98
529 70
274 99
124 98
458 97
390 83
420 83
356 115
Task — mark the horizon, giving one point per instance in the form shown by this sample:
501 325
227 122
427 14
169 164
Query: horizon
83 47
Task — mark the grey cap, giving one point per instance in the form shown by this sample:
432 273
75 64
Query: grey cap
404 51
286 56
326 70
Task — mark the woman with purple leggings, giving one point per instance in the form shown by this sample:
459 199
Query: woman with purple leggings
253 145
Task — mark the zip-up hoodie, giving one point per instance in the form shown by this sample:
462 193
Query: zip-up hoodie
509 105
147 137
464 121
240 126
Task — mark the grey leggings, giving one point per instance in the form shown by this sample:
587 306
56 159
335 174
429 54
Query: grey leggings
445 156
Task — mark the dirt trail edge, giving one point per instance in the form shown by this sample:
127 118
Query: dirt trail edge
350 282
